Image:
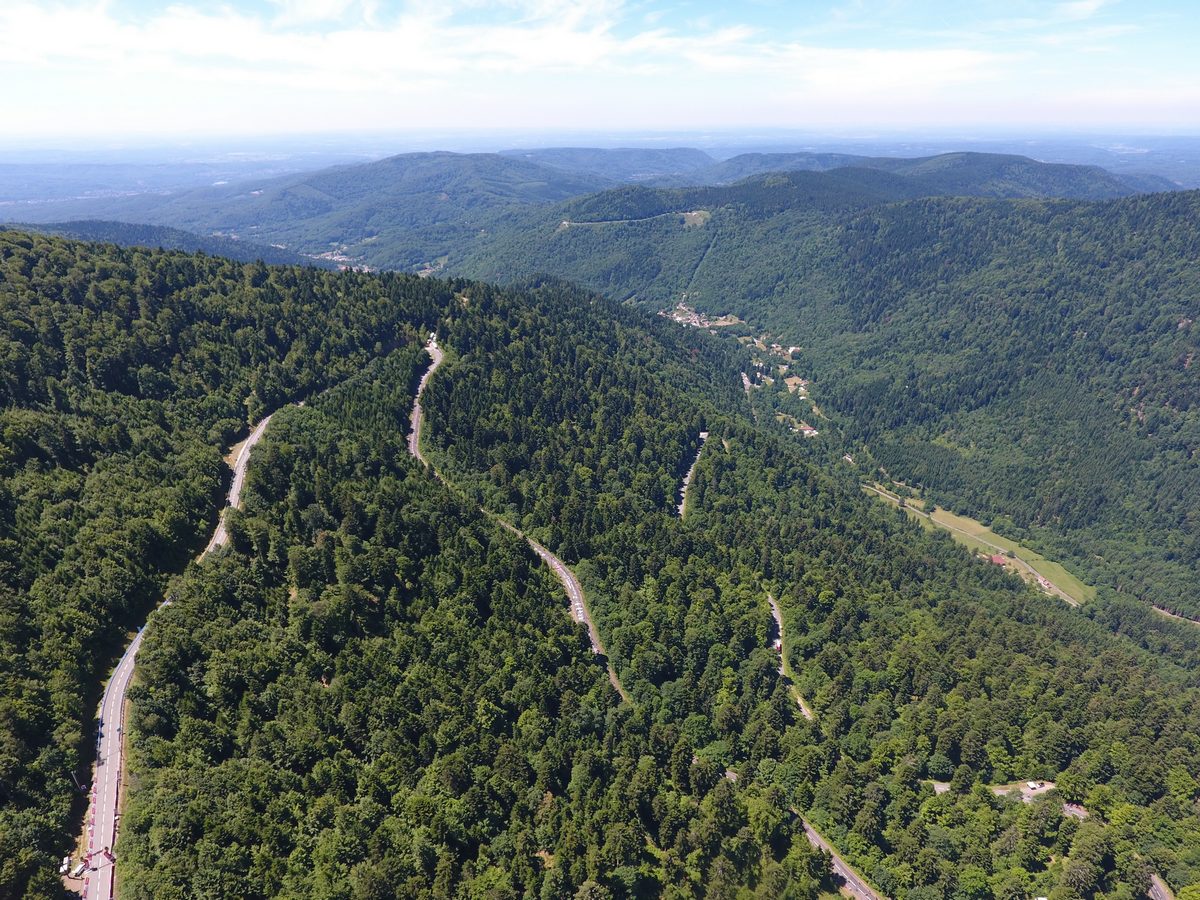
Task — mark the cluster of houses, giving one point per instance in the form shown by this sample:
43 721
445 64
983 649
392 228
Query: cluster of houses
684 315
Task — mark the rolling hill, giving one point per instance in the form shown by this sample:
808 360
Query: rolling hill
395 212
424 211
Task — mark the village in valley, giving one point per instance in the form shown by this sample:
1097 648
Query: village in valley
775 364
772 362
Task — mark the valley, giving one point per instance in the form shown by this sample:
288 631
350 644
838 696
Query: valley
1047 575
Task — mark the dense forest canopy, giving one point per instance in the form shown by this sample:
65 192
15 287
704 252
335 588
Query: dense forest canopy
377 689
124 373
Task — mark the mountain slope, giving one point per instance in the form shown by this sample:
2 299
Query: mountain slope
1032 362
412 206
161 236
425 210
378 688
1027 361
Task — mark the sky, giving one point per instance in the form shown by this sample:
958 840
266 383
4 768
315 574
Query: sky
86 68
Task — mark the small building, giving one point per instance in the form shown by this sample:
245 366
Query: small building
998 559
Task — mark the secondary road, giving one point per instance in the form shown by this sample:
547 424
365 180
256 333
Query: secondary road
852 882
579 607
103 816
687 479
1159 890
578 601
220 535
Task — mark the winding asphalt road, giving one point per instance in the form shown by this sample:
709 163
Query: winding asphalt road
579 608
103 816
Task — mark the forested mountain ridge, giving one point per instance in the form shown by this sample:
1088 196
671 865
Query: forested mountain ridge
376 690
413 205
161 237
425 211
745 243
1027 361
557 410
1033 362
976 174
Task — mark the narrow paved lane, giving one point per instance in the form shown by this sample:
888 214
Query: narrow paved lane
578 601
221 536
103 816
687 479
579 608
1159 889
418 416
783 666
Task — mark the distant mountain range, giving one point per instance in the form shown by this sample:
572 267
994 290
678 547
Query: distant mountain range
429 210
972 174
623 165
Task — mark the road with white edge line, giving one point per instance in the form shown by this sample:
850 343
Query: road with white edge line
852 883
578 601
104 808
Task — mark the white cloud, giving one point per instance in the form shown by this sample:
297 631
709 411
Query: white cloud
1079 9
311 64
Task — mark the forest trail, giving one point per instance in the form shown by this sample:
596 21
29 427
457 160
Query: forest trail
1176 616
687 479
103 815
784 670
1019 563
579 609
